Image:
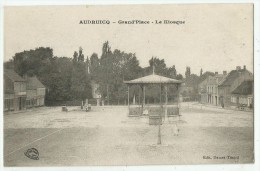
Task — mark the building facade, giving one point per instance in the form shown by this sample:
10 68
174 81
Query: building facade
212 88
242 96
202 90
202 87
14 91
35 92
231 82
21 93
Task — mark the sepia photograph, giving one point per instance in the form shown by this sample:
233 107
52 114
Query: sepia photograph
128 85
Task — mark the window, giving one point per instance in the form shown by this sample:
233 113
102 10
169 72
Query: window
6 104
9 104
233 99
242 100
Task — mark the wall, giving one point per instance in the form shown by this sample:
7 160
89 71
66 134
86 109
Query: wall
19 87
8 85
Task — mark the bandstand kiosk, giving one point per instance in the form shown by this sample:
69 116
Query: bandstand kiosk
156 113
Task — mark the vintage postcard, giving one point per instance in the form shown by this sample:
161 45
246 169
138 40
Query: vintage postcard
128 85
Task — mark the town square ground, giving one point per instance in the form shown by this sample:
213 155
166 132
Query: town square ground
107 136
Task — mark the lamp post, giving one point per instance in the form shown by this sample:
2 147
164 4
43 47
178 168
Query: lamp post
159 141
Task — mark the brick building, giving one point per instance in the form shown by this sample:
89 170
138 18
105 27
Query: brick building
202 87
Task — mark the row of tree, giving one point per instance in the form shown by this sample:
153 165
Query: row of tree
69 78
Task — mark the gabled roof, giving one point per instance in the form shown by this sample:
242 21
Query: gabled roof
212 80
230 78
245 88
215 80
11 74
33 83
153 79
204 76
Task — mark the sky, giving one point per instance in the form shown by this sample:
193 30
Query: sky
215 37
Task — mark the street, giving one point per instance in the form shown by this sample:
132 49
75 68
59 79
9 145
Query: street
106 136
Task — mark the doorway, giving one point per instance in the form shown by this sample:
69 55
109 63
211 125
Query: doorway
20 103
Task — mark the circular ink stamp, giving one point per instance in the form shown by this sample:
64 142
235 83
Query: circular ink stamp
32 153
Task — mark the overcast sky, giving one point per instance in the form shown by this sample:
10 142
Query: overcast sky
214 37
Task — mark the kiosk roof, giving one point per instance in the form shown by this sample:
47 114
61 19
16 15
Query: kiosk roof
153 79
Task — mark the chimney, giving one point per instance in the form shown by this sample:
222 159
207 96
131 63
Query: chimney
244 67
216 73
224 72
238 68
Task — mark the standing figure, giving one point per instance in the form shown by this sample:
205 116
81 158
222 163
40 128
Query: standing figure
175 130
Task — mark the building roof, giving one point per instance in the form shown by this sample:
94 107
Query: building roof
11 74
245 88
33 83
215 80
212 80
205 75
153 79
203 90
230 78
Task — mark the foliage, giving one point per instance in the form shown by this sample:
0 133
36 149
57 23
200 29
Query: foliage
70 78
65 79
187 72
114 68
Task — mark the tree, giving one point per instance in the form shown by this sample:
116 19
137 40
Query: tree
114 68
80 87
35 62
94 66
187 73
172 72
59 81
87 66
94 61
81 83
81 55
192 81
201 72
105 75
159 66
70 79
179 77
75 56
64 72
106 50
